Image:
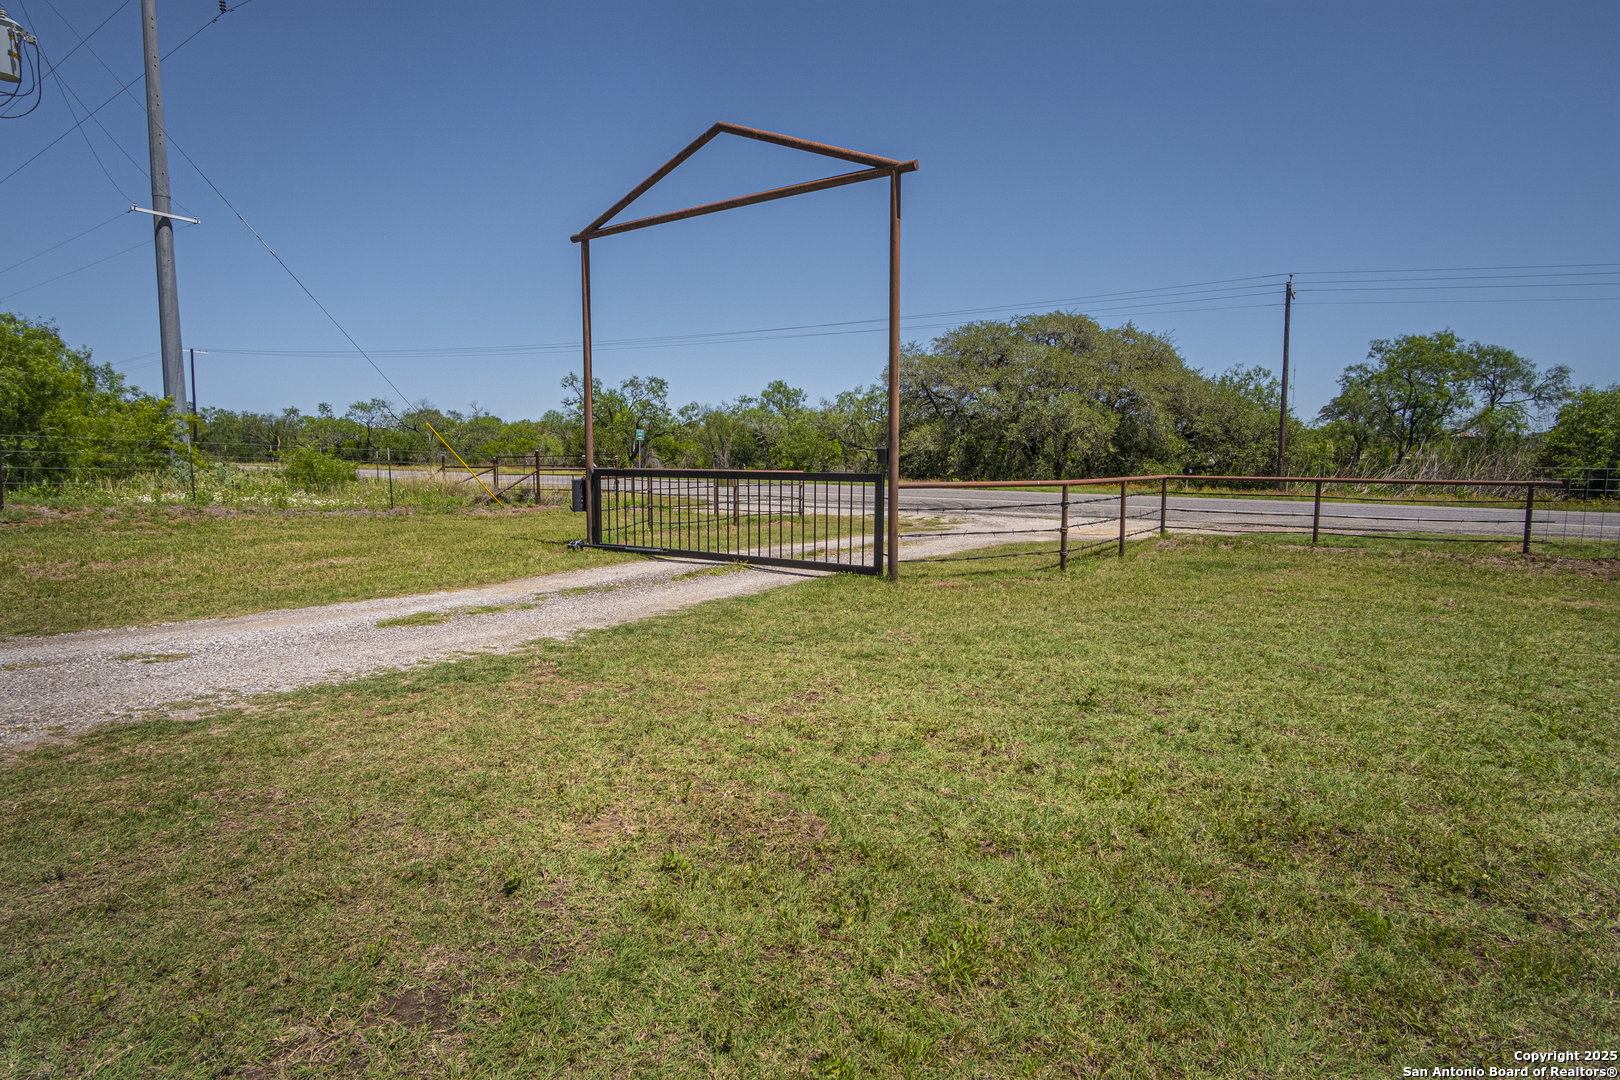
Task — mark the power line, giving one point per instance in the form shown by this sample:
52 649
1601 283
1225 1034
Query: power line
69 240
1458 269
124 90
1488 300
75 270
70 273
1489 277
1454 288
121 89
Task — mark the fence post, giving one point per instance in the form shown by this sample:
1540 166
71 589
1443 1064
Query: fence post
1529 508
1164 497
495 476
1122 484
1316 514
1063 533
2 472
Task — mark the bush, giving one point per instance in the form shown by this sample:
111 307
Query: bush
311 469
1587 433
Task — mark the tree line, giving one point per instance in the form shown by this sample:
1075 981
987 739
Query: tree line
1040 396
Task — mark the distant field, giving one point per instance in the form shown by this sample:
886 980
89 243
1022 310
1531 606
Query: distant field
116 566
1219 808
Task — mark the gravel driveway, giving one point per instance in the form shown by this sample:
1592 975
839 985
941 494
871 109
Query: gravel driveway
67 683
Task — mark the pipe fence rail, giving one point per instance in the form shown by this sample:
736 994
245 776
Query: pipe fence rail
823 521
1549 513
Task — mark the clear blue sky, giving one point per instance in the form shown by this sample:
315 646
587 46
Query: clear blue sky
421 167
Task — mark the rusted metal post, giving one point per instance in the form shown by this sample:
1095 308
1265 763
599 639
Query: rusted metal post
1529 509
495 475
1164 499
1316 514
894 377
592 531
1122 504
1063 533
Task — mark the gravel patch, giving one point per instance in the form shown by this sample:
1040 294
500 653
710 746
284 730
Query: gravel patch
67 683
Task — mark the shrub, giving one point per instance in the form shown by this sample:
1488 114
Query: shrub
308 468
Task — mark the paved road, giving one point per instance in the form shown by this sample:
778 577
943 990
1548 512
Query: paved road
1195 512
1091 506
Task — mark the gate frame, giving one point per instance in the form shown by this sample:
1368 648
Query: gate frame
876 168
593 514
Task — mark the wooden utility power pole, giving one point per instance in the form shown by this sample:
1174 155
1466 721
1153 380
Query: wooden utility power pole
1282 420
174 372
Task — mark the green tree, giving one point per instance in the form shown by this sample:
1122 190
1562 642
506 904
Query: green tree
617 414
65 418
1510 394
1411 391
1045 396
1587 431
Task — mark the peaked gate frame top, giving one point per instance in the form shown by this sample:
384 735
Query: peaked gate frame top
875 168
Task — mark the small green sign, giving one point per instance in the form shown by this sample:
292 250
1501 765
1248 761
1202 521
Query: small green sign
640 434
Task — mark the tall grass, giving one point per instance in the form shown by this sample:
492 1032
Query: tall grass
237 487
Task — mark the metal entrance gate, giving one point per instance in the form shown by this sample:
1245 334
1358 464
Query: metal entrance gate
821 521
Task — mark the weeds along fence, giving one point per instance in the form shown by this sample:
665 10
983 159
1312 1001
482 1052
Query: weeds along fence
1576 516
57 465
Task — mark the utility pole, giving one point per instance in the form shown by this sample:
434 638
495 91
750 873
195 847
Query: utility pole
1282 420
174 372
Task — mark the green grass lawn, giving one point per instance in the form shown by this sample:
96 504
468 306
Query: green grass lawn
1214 809
116 566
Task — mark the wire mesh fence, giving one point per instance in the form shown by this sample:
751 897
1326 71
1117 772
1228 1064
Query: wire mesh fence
61 465
829 521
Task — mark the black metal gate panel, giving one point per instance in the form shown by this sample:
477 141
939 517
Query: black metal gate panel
820 521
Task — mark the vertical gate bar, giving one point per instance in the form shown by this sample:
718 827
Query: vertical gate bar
1316 515
1122 519
1164 497
593 507
838 520
878 517
1529 508
495 476
1063 533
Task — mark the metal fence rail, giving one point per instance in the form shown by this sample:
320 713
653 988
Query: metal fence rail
1315 506
824 521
